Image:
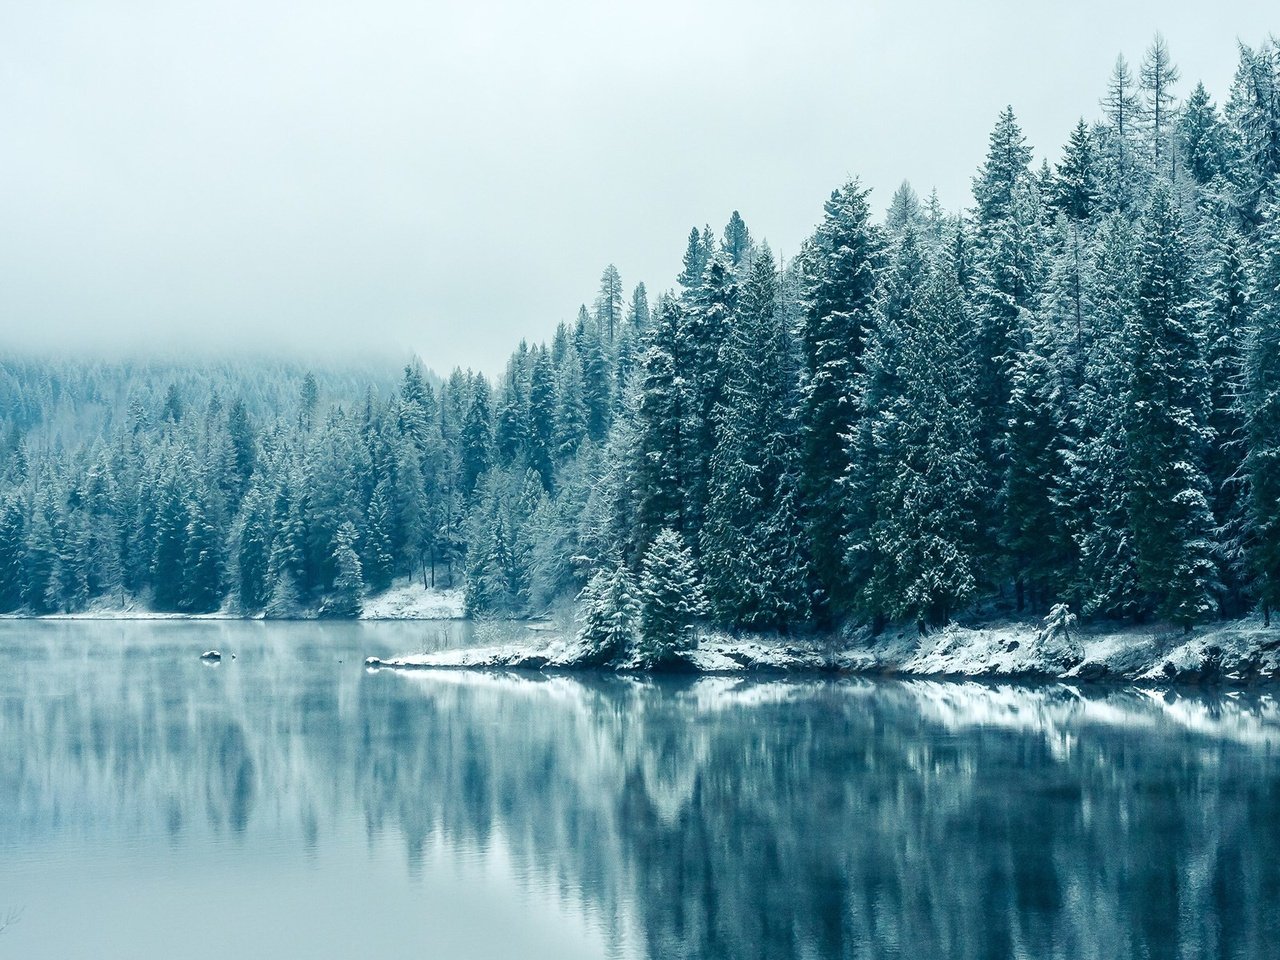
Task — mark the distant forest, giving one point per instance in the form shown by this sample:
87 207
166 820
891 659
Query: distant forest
1067 394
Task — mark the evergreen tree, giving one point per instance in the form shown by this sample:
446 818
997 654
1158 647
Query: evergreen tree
671 600
737 239
1157 77
12 553
610 615
1201 137
839 269
1075 183
1166 427
348 586
923 532
609 304
1262 420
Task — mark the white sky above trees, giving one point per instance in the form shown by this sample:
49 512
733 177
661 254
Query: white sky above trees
449 178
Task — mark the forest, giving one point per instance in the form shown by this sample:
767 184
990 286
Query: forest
1068 393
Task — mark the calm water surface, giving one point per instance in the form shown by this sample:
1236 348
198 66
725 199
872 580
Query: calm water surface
290 804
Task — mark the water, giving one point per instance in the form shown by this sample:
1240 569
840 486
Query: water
289 804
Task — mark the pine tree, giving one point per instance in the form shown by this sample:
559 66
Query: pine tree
1166 430
924 506
476 440
1200 137
737 239
203 565
1121 167
348 585
12 553
1262 420
610 615
695 261
378 556
839 268
638 311
671 600
1225 318
1093 495
609 304
904 212
1075 183
253 549
1158 109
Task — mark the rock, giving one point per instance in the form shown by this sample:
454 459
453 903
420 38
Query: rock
373 663
1093 670
211 656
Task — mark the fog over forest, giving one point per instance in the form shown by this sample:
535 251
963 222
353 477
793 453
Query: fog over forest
1066 397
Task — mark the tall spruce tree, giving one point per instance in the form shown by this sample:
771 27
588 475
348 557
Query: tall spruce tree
1166 430
838 267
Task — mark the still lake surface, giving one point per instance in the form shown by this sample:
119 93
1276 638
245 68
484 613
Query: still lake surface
289 803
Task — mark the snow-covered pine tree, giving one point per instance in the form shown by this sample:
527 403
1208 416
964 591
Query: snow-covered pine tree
925 506
1225 317
736 498
348 584
838 267
671 600
1166 427
610 615
736 242
1200 137
1158 109
1075 183
1121 164
13 523
1262 419
608 306
1094 493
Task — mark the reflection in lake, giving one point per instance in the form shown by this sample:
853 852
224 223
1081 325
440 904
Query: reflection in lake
288 804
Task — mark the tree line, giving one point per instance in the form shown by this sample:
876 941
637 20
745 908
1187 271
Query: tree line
1068 393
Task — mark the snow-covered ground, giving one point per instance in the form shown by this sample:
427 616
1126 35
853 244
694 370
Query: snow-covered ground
412 601
1238 653
404 601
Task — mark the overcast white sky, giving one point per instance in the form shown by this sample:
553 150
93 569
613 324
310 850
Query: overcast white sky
449 178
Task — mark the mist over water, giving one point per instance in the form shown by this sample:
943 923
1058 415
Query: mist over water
289 803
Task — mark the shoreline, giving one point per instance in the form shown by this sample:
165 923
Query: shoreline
1236 654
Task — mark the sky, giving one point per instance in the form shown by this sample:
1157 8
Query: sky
387 177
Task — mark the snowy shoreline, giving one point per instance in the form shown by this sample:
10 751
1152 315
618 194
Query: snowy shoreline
1239 653
405 601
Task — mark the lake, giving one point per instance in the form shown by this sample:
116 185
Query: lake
289 803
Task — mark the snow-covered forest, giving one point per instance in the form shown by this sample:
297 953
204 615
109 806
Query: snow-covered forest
1069 393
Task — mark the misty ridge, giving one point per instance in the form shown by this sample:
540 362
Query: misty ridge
1063 400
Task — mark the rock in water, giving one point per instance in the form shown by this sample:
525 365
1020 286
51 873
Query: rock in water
212 656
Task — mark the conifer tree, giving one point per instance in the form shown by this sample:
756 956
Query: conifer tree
1201 137
737 239
1157 77
610 615
839 276
1075 183
671 600
924 530
1166 430
12 553
348 585
1262 420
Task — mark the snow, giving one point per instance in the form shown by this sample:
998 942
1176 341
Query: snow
407 600
1239 653
412 601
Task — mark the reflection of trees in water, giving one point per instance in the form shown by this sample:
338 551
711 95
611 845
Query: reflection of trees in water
711 817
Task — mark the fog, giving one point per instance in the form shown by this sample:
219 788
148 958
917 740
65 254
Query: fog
449 178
